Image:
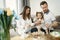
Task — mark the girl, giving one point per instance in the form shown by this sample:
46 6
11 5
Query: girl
41 26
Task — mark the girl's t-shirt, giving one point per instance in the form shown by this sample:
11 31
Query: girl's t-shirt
41 25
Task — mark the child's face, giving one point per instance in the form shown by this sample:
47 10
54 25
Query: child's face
39 16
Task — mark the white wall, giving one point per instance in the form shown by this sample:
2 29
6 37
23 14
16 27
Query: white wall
20 6
1 3
54 6
35 6
12 4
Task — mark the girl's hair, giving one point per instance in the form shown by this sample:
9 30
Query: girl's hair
24 12
41 14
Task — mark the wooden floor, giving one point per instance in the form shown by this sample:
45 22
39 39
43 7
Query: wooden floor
45 37
41 37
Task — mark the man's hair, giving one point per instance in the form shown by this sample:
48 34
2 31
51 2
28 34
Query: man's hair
43 2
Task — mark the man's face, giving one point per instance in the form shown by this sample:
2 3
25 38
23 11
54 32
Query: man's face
44 8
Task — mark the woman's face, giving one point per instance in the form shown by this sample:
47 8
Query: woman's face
27 11
39 16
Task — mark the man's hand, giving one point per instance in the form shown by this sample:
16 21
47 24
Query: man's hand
55 24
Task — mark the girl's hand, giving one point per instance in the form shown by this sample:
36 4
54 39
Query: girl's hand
37 22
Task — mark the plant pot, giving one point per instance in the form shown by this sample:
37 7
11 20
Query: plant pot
6 35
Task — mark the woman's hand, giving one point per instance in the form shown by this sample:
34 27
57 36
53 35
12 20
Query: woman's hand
27 25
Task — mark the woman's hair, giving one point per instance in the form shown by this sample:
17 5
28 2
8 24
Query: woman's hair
41 14
24 12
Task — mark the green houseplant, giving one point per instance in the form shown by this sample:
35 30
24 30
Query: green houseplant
5 22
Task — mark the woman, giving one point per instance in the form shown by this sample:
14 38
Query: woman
24 24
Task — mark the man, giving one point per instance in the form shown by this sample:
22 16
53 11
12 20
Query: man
48 16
